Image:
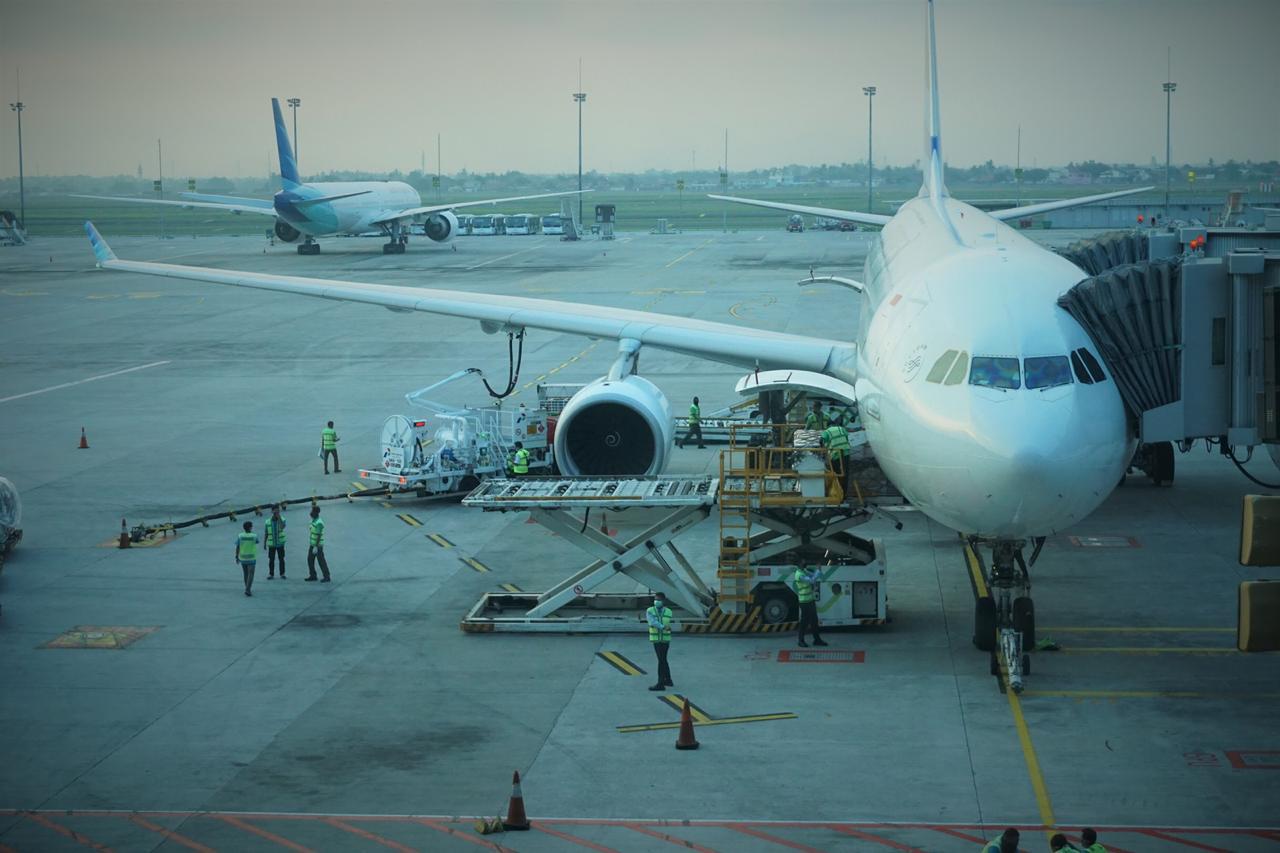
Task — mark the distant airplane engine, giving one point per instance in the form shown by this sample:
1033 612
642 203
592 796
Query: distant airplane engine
615 427
287 232
441 227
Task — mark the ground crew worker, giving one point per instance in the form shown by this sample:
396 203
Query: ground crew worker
1090 840
1006 843
806 581
273 541
817 419
659 619
316 550
695 425
836 439
1060 842
520 461
329 445
247 555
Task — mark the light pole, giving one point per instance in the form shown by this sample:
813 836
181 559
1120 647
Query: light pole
579 97
17 107
294 103
1169 89
870 92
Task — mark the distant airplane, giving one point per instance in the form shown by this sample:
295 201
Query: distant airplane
309 210
984 402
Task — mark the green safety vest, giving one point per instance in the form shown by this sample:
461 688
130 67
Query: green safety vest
695 414
664 635
329 438
247 547
274 537
520 462
1095 847
804 589
813 420
836 438
317 533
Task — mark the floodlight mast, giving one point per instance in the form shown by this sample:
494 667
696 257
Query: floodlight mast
17 107
579 97
1169 89
870 92
294 103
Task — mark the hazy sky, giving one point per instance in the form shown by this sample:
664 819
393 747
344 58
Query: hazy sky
102 79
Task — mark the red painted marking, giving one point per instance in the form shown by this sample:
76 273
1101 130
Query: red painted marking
821 656
1240 759
1109 846
69 833
671 839
772 839
866 836
262 833
895 299
368 836
573 838
956 833
459 835
1187 841
175 837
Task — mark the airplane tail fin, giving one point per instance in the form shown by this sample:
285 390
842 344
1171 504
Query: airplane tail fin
101 250
288 166
934 186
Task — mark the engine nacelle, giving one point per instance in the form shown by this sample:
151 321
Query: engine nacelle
441 227
615 427
287 232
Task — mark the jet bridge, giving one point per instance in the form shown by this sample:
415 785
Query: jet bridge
1187 323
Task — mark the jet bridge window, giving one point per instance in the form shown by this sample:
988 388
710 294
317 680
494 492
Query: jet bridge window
1087 369
992 372
1047 371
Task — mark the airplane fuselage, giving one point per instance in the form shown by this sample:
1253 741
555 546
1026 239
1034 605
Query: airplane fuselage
988 458
353 215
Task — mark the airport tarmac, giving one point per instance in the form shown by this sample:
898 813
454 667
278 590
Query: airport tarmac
145 702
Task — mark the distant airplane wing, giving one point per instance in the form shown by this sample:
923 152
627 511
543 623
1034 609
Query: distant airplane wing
1032 209
737 345
230 205
438 208
826 212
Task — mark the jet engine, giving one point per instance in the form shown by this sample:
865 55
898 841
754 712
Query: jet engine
287 232
615 427
441 227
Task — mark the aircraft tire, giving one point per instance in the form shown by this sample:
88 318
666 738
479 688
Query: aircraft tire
984 624
1024 621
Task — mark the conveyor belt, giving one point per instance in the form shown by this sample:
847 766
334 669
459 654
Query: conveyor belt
564 492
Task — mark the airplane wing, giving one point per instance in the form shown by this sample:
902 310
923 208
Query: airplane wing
737 345
231 205
1032 209
438 208
827 212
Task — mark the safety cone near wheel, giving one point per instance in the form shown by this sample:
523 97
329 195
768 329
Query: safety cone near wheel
124 535
84 442
516 818
686 740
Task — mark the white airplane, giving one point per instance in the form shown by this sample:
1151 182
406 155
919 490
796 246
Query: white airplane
309 210
984 401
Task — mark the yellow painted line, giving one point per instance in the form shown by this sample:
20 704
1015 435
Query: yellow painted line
679 259
439 540
1134 630
386 504
359 487
722 721
620 663
409 519
975 571
473 563
1144 694
676 701
510 587
1029 754
503 258
1149 650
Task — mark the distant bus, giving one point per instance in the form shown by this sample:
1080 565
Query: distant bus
488 225
464 224
522 223
552 224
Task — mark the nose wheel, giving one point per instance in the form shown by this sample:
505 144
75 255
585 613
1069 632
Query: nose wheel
1004 614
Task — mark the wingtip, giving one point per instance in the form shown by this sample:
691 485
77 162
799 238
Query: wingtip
101 250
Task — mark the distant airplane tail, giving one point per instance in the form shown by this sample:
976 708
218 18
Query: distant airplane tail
288 166
934 186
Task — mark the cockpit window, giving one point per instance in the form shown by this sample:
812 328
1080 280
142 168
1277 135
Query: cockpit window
1047 371
1095 369
959 370
1082 372
991 372
940 366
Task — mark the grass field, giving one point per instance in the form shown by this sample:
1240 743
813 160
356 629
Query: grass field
62 215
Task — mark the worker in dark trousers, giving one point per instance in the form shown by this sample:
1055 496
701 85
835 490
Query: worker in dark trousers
659 618
247 555
316 550
329 446
273 541
520 461
695 425
836 439
807 581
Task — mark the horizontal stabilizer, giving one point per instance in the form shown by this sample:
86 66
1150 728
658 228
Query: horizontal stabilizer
825 212
303 202
238 201
1032 209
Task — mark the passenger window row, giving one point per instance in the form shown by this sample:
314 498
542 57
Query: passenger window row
1040 372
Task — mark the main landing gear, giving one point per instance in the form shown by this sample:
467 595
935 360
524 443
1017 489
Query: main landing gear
309 247
399 239
1004 615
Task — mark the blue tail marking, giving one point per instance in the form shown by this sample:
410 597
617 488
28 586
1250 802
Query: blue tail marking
101 250
288 166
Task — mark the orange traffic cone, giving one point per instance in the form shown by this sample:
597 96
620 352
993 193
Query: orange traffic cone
516 818
124 535
686 740
84 442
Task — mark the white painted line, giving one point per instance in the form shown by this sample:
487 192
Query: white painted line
504 257
82 381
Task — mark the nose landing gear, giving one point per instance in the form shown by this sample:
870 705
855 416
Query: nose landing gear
1004 614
